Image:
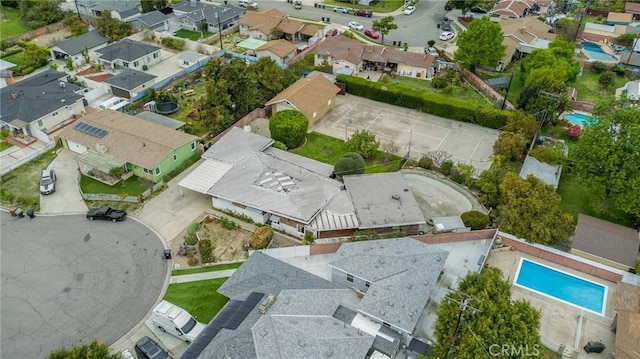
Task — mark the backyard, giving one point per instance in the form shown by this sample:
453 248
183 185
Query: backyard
199 298
193 35
463 92
12 25
20 187
132 186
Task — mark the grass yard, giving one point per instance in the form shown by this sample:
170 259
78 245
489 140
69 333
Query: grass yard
133 186
589 89
12 25
463 92
383 6
4 145
20 188
19 59
199 298
329 150
192 35
215 268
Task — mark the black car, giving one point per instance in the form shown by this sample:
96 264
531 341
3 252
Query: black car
478 10
107 213
448 6
147 348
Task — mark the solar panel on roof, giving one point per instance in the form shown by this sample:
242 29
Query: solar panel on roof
90 130
241 313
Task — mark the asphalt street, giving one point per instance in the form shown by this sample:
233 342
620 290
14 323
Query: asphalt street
67 280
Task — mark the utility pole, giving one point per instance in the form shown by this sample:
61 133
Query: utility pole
219 29
463 306
504 101
586 8
77 10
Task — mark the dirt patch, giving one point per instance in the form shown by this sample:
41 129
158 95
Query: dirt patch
280 240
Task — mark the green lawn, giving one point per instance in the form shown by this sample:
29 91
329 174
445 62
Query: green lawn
590 91
329 150
20 187
382 7
463 92
215 268
133 186
4 145
19 59
12 25
516 85
192 35
199 298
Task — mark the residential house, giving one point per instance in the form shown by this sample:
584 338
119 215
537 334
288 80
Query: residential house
5 72
119 9
107 139
384 271
627 319
154 20
38 105
280 51
161 120
632 90
193 14
606 33
314 96
74 47
632 8
189 58
273 24
605 242
129 83
619 18
522 36
344 53
128 54
512 8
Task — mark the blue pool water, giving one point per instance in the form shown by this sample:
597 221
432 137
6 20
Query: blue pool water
561 286
595 51
577 118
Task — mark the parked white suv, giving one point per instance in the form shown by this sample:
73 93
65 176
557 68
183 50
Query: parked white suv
248 3
48 182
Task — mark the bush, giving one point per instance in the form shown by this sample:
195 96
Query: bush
446 168
279 145
350 164
620 71
227 223
11 52
607 78
308 238
173 43
192 260
428 102
289 127
206 250
548 154
364 143
475 219
574 131
599 67
512 146
27 70
261 237
462 174
425 162
441 80
193 228
191 239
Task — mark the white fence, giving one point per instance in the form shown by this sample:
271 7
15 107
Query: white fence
26 159
285 252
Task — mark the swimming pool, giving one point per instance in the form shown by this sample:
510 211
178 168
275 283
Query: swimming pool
561 286
577 118
595 51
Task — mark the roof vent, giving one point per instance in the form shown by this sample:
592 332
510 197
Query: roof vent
302 343
406 190
14 95
100 148
395 197
63 84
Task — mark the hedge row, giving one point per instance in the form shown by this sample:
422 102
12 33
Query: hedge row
428 102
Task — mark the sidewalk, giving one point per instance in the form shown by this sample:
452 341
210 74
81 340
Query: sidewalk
201 276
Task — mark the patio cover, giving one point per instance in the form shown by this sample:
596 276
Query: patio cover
100 161
251 44
205 176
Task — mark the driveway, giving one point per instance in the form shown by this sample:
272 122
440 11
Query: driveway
67 280
67 198
410 130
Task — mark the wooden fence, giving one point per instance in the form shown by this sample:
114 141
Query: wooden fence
35 33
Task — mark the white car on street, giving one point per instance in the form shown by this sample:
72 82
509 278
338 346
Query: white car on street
356 25
447 35
409 10
341 9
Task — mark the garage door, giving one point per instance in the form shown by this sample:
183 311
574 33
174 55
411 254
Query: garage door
120 92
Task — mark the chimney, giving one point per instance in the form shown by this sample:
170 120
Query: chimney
14 95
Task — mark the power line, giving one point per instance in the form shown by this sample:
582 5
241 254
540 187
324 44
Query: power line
463 306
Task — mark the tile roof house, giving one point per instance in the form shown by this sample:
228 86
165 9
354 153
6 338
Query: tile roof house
605 242
73 47
395 293
107 139
344 53
128 54
129 83
154 20
273 24
522 36
632 8
57 103
191 14
627 320
512 8
280 51
619 18
314 96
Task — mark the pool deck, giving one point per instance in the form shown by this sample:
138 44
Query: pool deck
559 322
606 49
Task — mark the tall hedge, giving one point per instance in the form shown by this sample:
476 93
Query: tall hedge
289 127
428 102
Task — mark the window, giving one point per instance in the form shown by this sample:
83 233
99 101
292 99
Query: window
155 55
135 64
55 113
185 62
349 278
386 324
193 146
367 284
157 171
175 157
125 64
40 123
147 171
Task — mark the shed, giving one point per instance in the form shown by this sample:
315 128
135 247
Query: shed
498 83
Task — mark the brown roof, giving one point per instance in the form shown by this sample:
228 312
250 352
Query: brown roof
129 138
627 305
632 7
280 48
308 94
526 29
511 7
619 17
309 30
271 20
510 50
606 240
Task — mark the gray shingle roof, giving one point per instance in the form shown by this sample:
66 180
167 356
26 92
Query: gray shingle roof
393 204
196 10
125 8
75 45
129 79
402 273
160 120
152 18
42 89
191 56
126 50
606 240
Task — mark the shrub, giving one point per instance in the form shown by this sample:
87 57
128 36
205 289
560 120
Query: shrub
193 228
446 167
607 78
548 155
190 239
27 70
447 90
364 143
350 164
599 67
227 223
11 52
510 145
206 250
425 162
462 174
279 145
192 260
475 219
574 131
308 238
261 237
173 43
289 127
619 70
441 80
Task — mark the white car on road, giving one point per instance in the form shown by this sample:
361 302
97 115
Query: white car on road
356 25
447 35
409 10
341 9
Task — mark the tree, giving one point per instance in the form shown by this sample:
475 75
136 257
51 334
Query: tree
607 157
95 350
626 39
364 143
489 321
76 26
558 57
38 13
350 164
475 219
489 183
530 209
510 145
37 54
289 127
465 5
150 5
383 26
431 43
481 44
607 78
567 27
112 28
